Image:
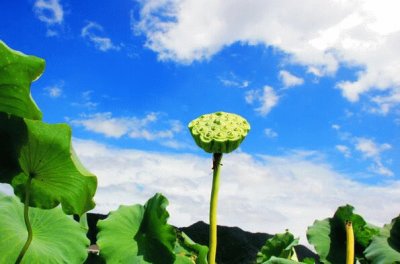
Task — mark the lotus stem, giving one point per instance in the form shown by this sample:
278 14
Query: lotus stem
27 222
213 208
349 243
217 133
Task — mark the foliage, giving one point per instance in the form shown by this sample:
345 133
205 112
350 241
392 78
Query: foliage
43 156
385 247
329 236
17 71
187 251
140 234
276 260
37 160
280 245
56 237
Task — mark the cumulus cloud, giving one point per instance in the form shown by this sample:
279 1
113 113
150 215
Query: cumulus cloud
94 33
269 132
133 127
289 80
86 101
231 80
51 13
372 150
386 103
367 148
232 83
266 98
360 34
258 193
54 91
345 150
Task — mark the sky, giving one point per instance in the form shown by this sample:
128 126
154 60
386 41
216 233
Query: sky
318 82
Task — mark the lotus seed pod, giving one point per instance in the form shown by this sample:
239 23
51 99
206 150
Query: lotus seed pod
219 132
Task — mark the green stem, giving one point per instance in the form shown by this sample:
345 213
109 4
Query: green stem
213 208
27 223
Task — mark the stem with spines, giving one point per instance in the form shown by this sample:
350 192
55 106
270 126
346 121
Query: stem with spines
217 157
27 222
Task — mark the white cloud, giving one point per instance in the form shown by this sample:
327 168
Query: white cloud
231 80
369 148
133 127
94 32
315 71
266 98
386 102
270 133
233 83
49 11
345 150
104 123
258 193
86 101
54 91
176 144
363 34
380 169
289 80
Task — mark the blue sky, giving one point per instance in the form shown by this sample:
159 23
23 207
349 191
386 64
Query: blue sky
320 90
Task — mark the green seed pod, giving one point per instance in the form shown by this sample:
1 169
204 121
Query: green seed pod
219 132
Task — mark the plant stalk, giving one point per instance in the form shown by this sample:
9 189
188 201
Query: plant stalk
349 243
27 222
217 157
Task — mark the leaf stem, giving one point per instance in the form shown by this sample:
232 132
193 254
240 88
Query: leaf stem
27 222
213 208
349 243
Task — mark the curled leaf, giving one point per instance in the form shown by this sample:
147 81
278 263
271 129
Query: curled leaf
385 247
17 71
328 236
43 153
141 234
280 245
187 251
138 234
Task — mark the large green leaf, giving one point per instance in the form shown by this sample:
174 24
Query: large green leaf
280 245
275 260
187 251
17 71
385 248
13 135
329 236
116 236
57 238
328 242
156 234
140 234
42 153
